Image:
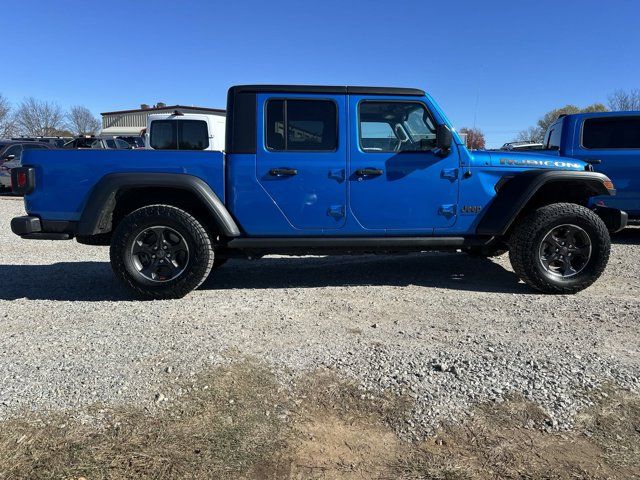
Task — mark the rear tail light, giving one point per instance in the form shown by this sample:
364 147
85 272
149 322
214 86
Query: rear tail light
23 180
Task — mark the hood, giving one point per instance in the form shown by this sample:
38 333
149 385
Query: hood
550 160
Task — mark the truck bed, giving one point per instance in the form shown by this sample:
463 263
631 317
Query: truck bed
65 177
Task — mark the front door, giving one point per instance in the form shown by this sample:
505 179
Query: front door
397 181
302 159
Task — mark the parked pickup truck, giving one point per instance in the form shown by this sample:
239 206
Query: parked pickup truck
321 170
610 141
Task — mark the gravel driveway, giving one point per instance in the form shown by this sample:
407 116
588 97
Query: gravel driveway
447 329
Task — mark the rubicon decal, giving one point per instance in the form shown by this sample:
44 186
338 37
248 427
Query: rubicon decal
539 163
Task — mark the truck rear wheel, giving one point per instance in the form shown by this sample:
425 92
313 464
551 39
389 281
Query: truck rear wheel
560 248
161 252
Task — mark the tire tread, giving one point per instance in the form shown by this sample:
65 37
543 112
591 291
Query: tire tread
523 252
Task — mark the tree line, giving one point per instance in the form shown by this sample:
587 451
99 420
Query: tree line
37 118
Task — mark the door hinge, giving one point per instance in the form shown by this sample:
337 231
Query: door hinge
449 173
448 210
336 211
337 174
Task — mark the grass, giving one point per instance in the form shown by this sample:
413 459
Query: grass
222 428
237 422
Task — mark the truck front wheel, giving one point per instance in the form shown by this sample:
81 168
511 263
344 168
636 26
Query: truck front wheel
161 252
560 248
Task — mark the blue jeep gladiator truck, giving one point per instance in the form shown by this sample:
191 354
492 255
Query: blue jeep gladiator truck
610 141
321 170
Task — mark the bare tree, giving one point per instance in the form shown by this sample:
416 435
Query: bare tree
625 100
82 121
38 118
7 127
475 138
531 134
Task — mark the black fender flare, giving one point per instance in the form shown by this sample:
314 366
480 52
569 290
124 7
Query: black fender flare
98 210
513 195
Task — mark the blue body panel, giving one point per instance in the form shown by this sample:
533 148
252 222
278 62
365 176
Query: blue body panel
622 166
418 193
65 178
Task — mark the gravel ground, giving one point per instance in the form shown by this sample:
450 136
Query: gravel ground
447 329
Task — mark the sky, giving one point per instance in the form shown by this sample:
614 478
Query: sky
498 65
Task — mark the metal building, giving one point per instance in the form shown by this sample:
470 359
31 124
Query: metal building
131 122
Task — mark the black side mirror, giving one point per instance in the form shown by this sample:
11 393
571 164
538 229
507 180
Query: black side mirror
444 138
8 158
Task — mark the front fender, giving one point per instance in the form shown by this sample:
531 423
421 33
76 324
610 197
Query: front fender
515 193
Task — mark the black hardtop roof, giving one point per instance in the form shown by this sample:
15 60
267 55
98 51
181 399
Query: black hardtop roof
345 90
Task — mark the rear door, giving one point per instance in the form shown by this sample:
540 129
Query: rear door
302 156
615 141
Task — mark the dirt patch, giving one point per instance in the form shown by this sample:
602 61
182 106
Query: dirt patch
342 432
238 422
510 440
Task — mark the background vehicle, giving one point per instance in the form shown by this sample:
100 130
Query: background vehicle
57 142
610 142
522 146
134 142
10 156
321 170
99 143
185 131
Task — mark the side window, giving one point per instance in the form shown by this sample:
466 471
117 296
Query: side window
611 132
396 127
554 136
121 144
301 125
193 135
33 147
377 136
275 125
13 150
163 135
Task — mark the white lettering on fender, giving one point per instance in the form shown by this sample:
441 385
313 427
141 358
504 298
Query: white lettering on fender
539 163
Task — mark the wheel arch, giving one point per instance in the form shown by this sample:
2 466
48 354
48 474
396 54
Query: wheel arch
118 194
526 191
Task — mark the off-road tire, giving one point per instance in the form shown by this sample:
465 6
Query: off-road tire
198 266
525 241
